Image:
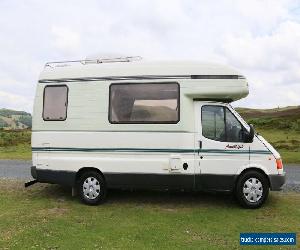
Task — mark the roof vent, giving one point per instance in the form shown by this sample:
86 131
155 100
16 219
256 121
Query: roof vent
93 61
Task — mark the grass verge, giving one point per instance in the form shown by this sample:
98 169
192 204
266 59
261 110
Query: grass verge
47 217
16 152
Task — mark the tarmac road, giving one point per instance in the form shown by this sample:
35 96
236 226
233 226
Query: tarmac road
18 169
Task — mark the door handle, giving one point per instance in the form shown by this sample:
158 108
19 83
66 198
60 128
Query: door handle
199 146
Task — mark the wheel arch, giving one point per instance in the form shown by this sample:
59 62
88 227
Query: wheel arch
85 169
253 168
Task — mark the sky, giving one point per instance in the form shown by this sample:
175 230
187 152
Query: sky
259 38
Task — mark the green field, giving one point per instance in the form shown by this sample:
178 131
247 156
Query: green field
47 217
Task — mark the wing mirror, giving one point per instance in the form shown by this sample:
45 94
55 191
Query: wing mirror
248 136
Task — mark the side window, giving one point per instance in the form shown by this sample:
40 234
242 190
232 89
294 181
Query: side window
213 123
219 124
234 128
55 103
144 103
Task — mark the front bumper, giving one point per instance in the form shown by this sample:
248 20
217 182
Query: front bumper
277 181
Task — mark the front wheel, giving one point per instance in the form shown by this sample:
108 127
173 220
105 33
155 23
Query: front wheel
92 188
252 189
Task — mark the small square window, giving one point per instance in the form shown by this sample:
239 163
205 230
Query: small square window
55 103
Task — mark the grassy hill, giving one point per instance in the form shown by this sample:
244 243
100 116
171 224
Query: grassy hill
280 126
279 118
14 120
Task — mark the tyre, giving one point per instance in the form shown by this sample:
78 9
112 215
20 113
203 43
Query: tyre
92 188
252 189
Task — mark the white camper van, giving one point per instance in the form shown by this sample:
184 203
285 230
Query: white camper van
125 123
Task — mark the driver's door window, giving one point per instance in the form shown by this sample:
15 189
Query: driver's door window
219 124
213 123
234 131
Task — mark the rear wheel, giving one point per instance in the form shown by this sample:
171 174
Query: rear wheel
92 188
252 189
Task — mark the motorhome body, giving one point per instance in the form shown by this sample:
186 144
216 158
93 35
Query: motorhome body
148 125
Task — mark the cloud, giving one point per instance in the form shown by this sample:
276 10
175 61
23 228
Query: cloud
271 62
276 97
260 38
65 39
13 101
274 51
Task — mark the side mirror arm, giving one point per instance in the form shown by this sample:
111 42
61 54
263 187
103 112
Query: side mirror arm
250 135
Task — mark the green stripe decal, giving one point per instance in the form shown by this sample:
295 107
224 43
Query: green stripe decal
148 150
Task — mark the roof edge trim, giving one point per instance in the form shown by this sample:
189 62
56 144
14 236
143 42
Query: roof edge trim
142 77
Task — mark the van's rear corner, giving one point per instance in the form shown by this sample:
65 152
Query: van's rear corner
33 171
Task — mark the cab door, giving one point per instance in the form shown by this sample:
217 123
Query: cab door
221 150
